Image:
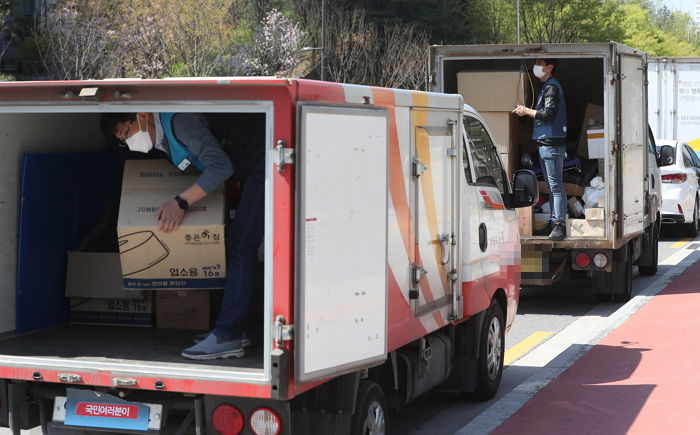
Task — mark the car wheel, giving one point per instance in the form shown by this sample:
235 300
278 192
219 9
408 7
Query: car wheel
491 352
693 226
370 412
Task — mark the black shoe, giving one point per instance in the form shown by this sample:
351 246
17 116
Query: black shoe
558 231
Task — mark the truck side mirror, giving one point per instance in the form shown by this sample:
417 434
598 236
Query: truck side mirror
666 154
525 191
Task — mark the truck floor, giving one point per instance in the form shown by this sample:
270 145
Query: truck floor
120 344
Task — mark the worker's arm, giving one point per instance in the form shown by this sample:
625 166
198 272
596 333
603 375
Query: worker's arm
171 214
551 105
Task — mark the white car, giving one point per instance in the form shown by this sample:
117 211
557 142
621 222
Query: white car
680 171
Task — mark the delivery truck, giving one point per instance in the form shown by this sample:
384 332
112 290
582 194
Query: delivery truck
390 263
674 96
610 171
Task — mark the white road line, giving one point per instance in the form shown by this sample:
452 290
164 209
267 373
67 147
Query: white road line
562 350
676 257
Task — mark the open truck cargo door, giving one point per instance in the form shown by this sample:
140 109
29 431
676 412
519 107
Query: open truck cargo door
633 138
341 291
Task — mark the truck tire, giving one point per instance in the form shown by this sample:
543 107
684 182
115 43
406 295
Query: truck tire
650 269
625 275
491 352
692 228
370 412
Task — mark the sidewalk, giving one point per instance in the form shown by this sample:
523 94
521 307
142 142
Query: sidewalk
642 378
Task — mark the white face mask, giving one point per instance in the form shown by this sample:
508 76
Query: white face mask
140 141
538 71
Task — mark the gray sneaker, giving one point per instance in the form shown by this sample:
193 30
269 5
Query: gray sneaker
213 347
245 341
558 232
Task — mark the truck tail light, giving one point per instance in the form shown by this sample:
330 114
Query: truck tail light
583 259
674 178
228 420
264 421
600 260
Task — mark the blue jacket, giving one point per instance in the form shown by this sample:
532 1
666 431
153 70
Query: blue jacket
550 120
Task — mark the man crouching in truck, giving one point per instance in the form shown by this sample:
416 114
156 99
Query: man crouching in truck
550 133
187 139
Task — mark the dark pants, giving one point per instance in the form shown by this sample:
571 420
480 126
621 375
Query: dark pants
243 237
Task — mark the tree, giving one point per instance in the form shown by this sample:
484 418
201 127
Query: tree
77 39
276 47
7 34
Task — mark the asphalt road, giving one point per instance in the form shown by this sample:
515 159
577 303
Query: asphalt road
542 313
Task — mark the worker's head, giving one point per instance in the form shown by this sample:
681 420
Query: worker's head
136 130
544 68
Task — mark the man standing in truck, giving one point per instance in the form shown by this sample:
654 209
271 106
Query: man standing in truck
550 133
189 139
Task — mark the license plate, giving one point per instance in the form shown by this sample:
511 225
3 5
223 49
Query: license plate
89 409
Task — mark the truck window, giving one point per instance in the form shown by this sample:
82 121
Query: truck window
693 156
687 161
465 161
487 166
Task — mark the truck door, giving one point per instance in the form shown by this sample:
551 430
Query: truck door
434 190
490 185
341 239
633 131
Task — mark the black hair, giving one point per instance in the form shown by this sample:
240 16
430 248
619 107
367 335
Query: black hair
109 121
551 61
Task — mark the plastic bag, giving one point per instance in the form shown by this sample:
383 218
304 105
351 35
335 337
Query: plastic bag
594 196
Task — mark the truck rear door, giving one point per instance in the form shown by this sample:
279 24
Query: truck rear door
633 137
341 259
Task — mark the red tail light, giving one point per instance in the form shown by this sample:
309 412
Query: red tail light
674 178
583 259
228 420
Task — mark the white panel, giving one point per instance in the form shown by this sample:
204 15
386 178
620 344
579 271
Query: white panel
342 239
688 94
633 151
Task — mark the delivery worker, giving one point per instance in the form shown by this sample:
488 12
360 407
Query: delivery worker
550 133
187 139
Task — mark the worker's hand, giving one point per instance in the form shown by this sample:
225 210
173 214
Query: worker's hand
170 216
520 110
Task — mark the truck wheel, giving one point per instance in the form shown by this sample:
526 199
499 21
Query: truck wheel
624 274
651 268
693 226
491 351
370 412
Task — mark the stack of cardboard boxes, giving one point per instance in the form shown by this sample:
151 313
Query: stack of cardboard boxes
172 271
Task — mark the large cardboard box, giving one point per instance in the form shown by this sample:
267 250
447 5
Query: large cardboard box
497 91
183 310
525 217
596 143
584 228
593 117
191 257
112 311
96 275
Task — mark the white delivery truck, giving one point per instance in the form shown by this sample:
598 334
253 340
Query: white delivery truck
391 262
674 98
611 159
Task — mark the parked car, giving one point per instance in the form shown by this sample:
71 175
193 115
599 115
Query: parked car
680 172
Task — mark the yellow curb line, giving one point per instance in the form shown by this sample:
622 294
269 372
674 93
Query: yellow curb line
525 346
681 243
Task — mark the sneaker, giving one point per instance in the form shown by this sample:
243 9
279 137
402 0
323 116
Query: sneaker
558 231
245 341
213 347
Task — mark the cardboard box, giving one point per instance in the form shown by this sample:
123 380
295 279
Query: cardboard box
191 257
524 216
584 228
570 188
96 275
575 207
183 310
595 214
112 311
592 117
498 91
502 126
596 143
